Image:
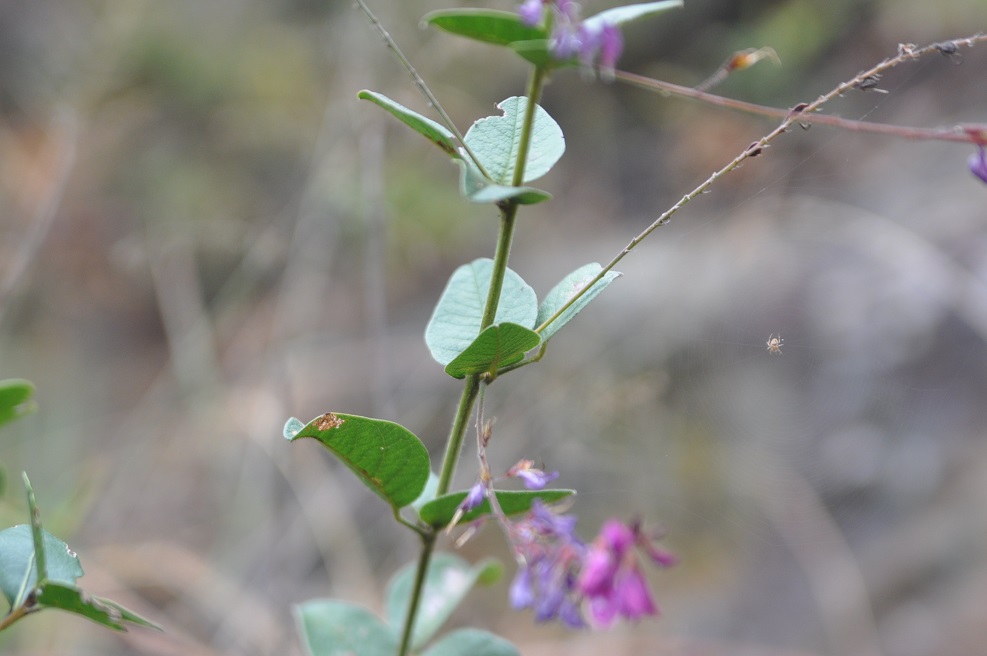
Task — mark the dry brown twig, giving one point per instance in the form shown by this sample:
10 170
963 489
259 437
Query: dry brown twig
802 113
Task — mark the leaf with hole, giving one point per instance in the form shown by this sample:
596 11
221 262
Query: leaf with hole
18 564
495 140
496 347
387 457
456 320
447 582
439 512
335 628
568 287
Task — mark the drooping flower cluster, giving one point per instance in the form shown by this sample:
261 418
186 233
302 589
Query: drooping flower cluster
560 577
571 37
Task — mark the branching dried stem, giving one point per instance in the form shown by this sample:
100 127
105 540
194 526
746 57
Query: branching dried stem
801 113
959 134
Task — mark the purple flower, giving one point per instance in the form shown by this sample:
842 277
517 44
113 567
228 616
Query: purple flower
611 580
559 577
550 555
572 38
530 12
978 163
611 45
474 497
534 478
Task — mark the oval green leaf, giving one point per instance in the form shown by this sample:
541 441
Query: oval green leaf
448 581
471 642
455 322
102 611
387 457
628 13
441 511
496 347
499 28
15 399
18 567
495 141
565 290
334 628
434 132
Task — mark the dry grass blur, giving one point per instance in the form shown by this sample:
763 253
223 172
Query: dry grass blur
205 233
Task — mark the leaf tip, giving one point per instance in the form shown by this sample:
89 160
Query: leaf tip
292 427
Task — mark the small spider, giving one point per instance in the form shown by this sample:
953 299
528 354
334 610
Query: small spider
775 343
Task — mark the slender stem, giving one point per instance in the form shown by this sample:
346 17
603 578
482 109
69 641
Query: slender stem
956 135
428 543
14 615
458 432
471 387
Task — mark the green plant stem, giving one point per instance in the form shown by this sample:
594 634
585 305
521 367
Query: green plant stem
472 386
428 544
458 433
509 210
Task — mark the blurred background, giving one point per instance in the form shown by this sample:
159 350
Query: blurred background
204 233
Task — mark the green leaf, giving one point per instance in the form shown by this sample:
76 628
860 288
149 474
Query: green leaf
431 487
495 141
334 628
565 290
18 573
434 132
15 399
477 189
496 347
102 611
455 323
37 532
471 642
448 581
387 457
628 13
536 52
489 26
441 511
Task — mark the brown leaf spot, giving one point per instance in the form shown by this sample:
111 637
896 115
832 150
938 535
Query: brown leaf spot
328 421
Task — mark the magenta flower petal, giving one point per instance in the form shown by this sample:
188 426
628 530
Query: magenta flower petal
599 567
978 163
633 596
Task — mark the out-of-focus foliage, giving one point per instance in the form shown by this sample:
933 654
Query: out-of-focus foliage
239 239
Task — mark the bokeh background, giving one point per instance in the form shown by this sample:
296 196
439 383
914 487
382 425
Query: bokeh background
203 233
